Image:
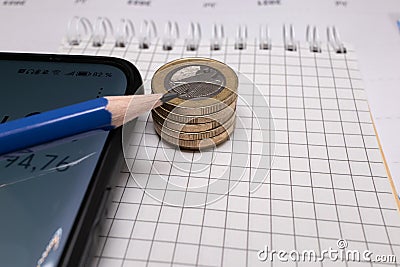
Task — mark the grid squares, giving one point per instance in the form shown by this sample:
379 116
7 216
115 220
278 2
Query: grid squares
327 180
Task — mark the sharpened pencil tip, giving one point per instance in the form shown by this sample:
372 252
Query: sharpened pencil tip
169 96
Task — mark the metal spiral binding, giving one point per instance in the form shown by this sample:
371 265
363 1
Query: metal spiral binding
241 37
124 33
265 40
312 37
148 31
194 37
289 39
171 33
217 36
81 27
334 40
100 31
75 27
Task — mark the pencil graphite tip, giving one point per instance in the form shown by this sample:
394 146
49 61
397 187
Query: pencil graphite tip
169 96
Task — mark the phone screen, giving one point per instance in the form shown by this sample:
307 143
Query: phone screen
41 190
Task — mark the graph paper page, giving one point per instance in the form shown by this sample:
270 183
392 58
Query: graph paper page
321 185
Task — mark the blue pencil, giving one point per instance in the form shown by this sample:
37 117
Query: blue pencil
102 113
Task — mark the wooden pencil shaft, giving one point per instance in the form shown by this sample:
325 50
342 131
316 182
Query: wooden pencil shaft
127 108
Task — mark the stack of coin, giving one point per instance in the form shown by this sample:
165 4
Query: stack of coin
204 113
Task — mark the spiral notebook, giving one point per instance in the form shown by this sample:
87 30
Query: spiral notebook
320 183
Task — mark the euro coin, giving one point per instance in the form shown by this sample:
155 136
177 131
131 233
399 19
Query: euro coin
188 127
203 115
196 144
220 115
204 85
198 134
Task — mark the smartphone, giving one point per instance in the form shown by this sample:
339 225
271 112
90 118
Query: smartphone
53 196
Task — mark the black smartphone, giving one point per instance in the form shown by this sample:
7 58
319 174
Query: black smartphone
53 196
